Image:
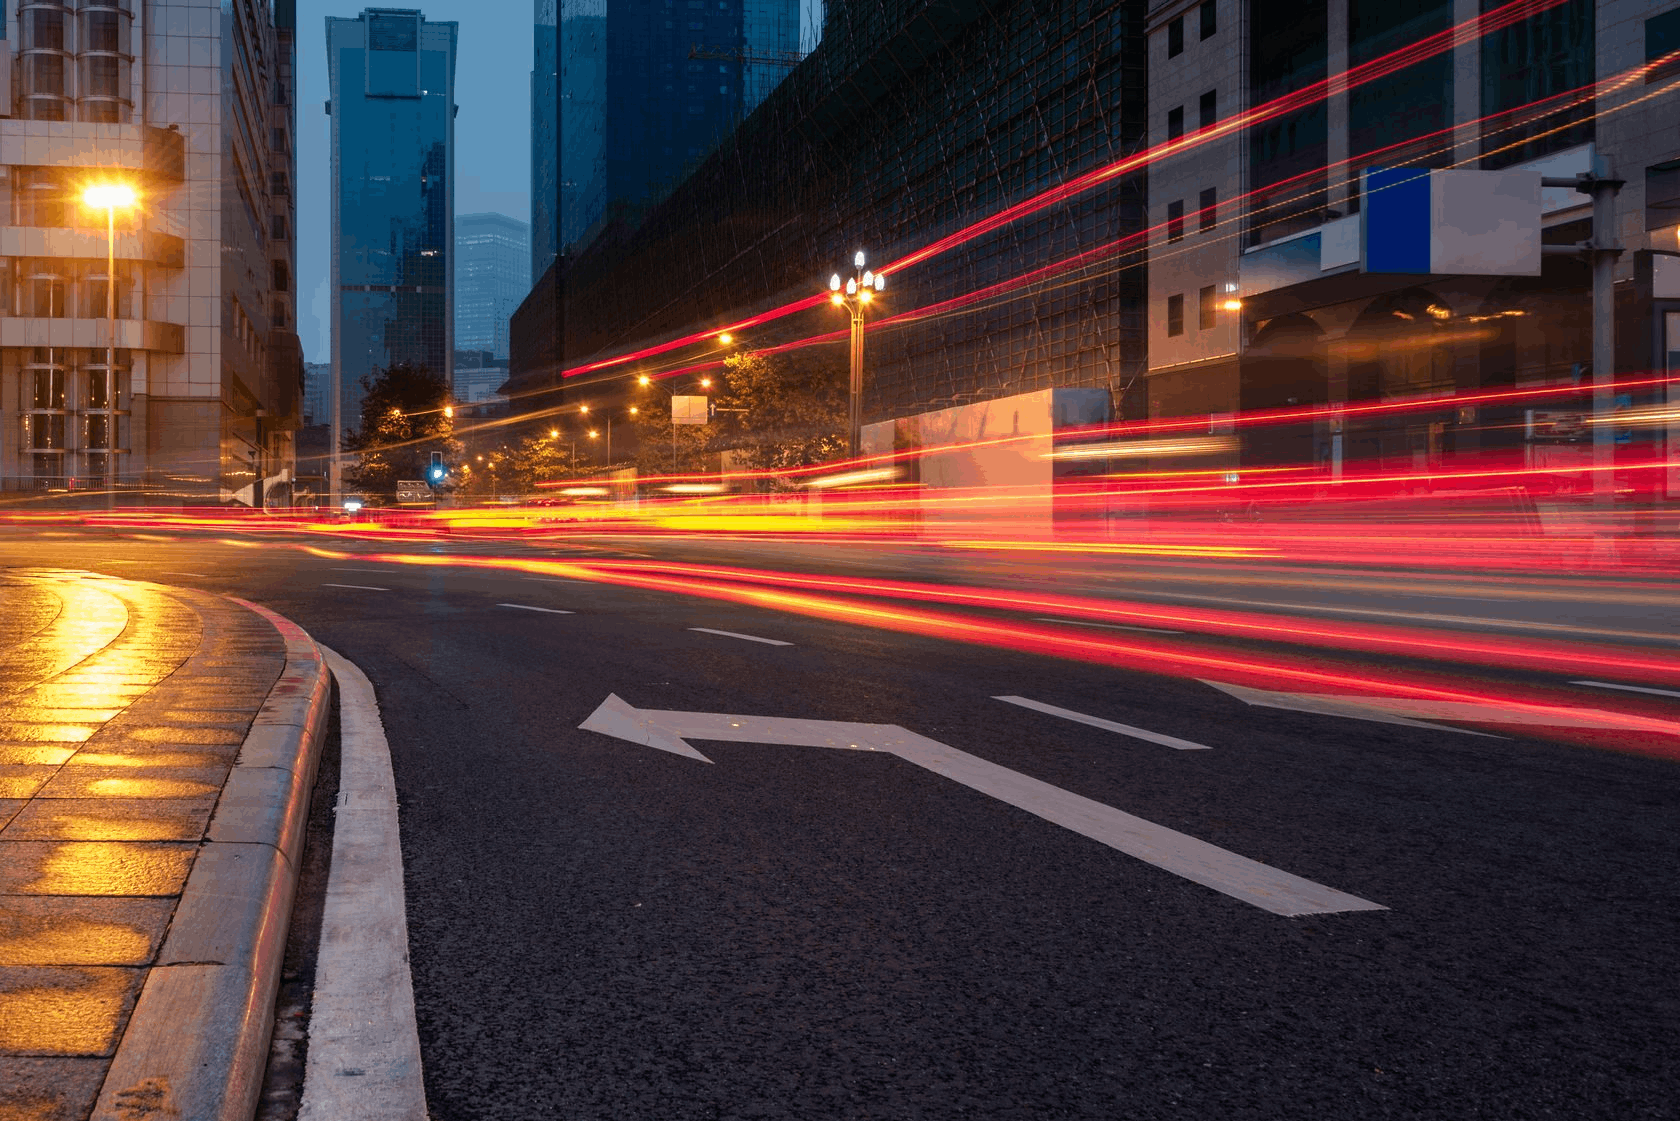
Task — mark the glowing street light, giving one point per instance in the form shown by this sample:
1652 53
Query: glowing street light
108 197
855 294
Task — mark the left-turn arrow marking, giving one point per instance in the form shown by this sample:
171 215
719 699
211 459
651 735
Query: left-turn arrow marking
1209 865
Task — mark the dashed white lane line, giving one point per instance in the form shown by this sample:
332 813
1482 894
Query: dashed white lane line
546 610
364 1045
748 637
357 587
1629 688
198 575
1105 626
1112 726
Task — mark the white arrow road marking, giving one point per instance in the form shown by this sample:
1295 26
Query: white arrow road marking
1105 626
1237 876
1400 710
358 587
748 637
1099 722
528 607
1629 688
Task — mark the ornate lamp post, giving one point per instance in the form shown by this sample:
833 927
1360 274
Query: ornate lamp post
855 295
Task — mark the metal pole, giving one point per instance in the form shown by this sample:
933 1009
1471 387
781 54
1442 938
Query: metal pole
110 353
857 378
609 439
1605 250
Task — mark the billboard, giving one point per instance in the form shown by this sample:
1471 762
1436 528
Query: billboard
1475 223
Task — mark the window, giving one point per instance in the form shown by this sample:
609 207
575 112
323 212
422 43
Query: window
1662 38
279 227
1210 18
1175 220
1206 307
282 276
1662 195
1175 123
1175 37
1209 109
1175 315
1208 205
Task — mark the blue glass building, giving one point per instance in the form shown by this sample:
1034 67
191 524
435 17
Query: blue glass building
545 136
492 267
391 73
647 88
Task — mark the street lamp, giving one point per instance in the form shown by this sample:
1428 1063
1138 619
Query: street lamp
855 294
109 196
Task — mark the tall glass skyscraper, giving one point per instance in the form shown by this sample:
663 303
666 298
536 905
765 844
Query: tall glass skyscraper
546 238
391 74
646 90
492 264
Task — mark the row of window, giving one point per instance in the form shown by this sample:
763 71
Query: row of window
1207 310
1207 214
1207 14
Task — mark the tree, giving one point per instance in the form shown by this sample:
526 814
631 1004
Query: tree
776 411
406 416
517 470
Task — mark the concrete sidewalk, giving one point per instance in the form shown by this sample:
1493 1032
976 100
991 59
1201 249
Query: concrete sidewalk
157 748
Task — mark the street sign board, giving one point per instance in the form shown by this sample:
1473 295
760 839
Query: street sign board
690 410
413 491
1485 223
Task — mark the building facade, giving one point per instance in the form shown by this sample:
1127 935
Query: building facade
648 90
1261 291
545 136
899 131
391 74
191 392
492 270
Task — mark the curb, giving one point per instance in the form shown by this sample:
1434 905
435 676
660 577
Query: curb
196 1045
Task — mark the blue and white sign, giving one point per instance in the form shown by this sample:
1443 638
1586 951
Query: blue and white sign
1482 223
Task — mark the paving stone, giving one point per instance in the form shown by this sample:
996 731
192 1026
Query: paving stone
48 1010
49 1089
35 755
112 819
9 808
23 781
88 930
139 781
94 867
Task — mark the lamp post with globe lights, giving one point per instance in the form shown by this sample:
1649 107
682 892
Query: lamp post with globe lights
855 294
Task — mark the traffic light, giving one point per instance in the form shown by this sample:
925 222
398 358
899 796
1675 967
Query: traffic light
437 472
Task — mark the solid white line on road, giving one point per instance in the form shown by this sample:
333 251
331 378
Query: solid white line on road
364 1047
1099 722
1629 688
358 587
1105 626
199 575
528 607
748 637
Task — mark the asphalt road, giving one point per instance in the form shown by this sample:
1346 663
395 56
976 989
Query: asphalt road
600 929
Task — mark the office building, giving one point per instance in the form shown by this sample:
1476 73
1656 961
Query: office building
492 270
648 90
191 392
317 393
1262 292
391 75
545 137
818 171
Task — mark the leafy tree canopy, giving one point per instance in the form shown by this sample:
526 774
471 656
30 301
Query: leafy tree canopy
405 418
